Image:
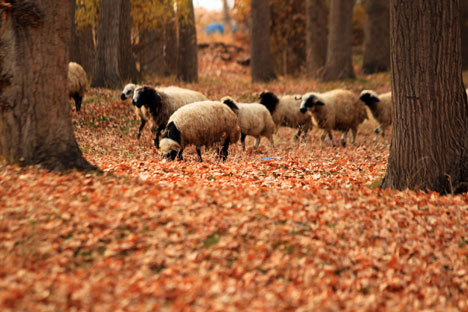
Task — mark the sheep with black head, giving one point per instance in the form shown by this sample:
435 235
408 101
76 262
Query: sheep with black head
380 107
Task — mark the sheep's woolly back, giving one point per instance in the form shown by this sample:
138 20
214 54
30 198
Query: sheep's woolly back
77 80
255 120
287 113
205 124
379 105
341 111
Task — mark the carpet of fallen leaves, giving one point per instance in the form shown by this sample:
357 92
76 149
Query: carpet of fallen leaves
306 230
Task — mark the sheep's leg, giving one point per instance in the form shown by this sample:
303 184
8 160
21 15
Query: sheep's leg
343 138
257 142
304 135
298 134
142 125
156 139
243 140
354 132
271 141
377 131
383 133
200 159
78 99
331 138
179 155
224 150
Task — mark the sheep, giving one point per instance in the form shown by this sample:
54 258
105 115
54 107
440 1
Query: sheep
157 106
335 110
142 112
285 112
380 107
255 120
77 83
202 123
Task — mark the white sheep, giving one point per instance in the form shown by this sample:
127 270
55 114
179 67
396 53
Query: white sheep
140 112
380 107
254 120
203 123
158 105
77 83
285 112
335 110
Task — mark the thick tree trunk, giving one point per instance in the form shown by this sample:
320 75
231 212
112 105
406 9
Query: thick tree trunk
151 53
376 56
106 67
464 31
35 122
262 68
429 147
82 44
339 63
127 62
317 36
170 39
187 67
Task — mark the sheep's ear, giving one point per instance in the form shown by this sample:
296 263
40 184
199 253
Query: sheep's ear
319 103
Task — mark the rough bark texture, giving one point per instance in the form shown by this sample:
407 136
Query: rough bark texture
376 57
339 52
82 45
317 36
127 62
464 31
187 67
151 53
106 66
170 39
35 121
262 68
429 147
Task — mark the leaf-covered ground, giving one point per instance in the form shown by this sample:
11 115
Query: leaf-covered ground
307 230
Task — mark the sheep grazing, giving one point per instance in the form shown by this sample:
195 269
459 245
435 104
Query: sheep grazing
203 123
140 112
335 110
380 107
77 83
285 112
254 120
161 104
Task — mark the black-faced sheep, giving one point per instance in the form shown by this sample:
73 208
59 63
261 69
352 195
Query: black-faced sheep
140 112
162 103
380 107
335 110
201 124
285 112
254 120
77 83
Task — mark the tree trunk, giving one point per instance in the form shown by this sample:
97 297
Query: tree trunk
376 56
464 32
339 63
82 44
151 53
317 36
429 147
170 40
227 15
262 69
187 67
106 67
127 62
35 122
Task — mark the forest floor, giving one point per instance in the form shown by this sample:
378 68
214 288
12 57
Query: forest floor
306 230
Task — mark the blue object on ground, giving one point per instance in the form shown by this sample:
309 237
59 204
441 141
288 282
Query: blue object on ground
214 27
270 158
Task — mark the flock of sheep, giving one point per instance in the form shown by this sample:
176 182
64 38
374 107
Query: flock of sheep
185 117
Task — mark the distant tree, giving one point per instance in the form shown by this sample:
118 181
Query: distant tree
261 60
82 43
317 36
151 52
227 14
127 62
464 32
339 63
187 67
376 57
35 120
106 66
170 43
429 147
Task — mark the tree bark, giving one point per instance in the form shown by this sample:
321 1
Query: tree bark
106 67
227 15
262 69
464 32
171 47
35 121
376 57
151 53
187 67
127 62
317 36
429 147
339 63
82 44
